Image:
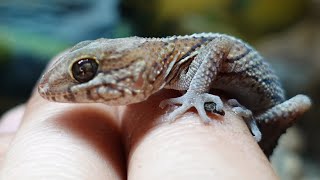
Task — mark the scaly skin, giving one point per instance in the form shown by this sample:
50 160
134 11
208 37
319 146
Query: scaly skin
131 69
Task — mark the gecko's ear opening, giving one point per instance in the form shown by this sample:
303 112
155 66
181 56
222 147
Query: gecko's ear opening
84 70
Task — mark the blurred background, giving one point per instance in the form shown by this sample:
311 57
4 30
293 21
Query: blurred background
286 32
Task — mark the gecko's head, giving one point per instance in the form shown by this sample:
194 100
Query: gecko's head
110 71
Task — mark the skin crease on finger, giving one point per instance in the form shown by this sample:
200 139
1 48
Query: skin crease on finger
65 141
87 144
188 149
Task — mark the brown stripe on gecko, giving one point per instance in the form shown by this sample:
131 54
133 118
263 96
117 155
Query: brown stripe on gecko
203 40
243 65
177 66
88 94
178 69
240 55
70 95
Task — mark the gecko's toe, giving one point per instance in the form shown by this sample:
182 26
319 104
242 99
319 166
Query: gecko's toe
255 130
198 101
176 113
239 109
247 116
233 103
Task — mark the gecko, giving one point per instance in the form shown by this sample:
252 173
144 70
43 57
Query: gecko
128 70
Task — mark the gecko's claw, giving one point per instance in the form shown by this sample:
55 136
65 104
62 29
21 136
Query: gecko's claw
198 101
246 114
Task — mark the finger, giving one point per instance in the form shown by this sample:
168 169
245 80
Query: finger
65 141
10 121
188 149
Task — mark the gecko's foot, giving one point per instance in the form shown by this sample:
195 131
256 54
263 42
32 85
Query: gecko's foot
198 101
246 114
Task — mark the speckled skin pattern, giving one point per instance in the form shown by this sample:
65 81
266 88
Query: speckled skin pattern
131 69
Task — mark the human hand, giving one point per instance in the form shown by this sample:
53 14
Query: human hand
96 141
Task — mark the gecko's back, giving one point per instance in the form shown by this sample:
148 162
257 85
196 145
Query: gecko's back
251 80
243 73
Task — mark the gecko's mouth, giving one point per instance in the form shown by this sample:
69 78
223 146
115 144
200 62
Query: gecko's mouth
44 92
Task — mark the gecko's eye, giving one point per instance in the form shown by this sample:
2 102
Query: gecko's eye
84 70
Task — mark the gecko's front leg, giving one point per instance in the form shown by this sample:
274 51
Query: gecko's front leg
202 73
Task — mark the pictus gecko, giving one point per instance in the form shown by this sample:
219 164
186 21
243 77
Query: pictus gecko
129 70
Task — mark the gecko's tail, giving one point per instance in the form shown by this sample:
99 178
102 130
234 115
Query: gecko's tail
274 122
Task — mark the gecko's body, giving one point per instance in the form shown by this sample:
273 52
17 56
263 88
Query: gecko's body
129 70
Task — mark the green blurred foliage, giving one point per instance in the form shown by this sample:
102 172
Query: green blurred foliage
5 50
38 45
244 18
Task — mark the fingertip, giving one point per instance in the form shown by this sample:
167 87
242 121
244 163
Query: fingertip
56 140
189 149
10 121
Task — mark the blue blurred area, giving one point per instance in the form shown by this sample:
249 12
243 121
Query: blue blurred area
33 31
61 20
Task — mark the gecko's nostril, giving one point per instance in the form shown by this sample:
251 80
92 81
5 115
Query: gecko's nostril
42 89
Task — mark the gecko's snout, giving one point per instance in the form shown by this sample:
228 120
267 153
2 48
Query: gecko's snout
43 89
46 93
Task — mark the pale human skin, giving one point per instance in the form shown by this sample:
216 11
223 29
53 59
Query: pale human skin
88 144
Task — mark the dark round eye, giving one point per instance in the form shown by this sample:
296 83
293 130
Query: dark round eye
84 70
